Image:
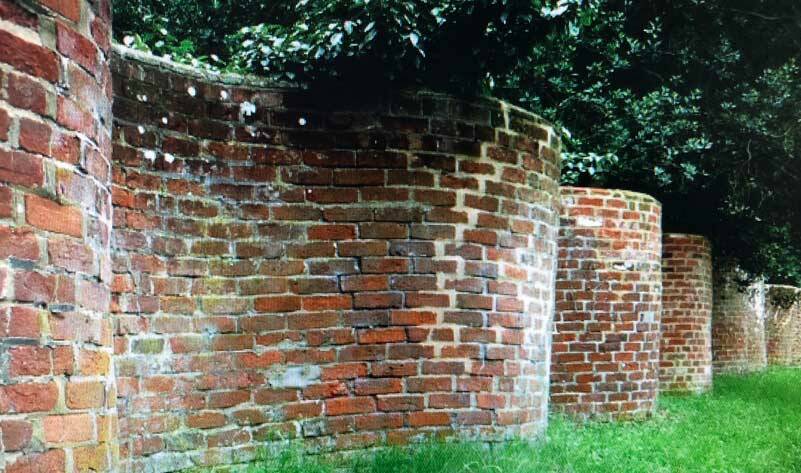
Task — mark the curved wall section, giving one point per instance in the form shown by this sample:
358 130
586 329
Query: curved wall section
608 298
783 325
685 353
57 396
351 276
738 324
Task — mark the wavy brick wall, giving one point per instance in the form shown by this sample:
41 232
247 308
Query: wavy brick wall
350 277
608 303
685 363
783 325
57 396
738 324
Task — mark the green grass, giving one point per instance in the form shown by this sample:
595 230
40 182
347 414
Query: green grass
748 424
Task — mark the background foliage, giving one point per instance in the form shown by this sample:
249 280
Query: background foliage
697 102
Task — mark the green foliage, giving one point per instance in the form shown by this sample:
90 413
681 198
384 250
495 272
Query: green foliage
442 44
189 31
697 102
748 424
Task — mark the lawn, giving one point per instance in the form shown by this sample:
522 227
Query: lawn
748 424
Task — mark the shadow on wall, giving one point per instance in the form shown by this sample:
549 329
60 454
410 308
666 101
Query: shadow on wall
738 323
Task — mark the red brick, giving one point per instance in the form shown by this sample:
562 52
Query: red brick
315 303
29 361
18 243
5 124
48 215
28 58
351 405
205 420
332 232
365 283
28 397
70 428
71 255
19 322
277 304
50 461
302 410
370 387
388 335
17 167
344 371
77 47
14 13
85 394
69 8
427 419
15 434
27 94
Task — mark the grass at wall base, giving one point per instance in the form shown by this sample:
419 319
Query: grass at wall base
750 423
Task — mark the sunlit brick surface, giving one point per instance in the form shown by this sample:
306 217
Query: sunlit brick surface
608 297
57 396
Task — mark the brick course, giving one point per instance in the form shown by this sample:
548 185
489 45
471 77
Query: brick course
608 304
347 275
783 325
685 352
738 323
57 390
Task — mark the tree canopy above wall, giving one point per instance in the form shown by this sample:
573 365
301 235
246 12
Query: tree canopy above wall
697 102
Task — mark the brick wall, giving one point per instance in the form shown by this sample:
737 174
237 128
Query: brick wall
351 277
685 353
783 325
608 298
738 324
57 395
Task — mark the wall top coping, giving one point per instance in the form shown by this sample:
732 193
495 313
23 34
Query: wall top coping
122 52
782 287
693 236
569 191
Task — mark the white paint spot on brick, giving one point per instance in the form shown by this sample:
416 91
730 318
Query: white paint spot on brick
169 157
295 377
247 109
165 120
150 155
224 94
593 222
191 91
141 129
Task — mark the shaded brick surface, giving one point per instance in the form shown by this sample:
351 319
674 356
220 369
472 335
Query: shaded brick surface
608 304
738 324
783 325
349 275
685 352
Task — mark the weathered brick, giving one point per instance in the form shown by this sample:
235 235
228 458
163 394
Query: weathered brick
588 211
